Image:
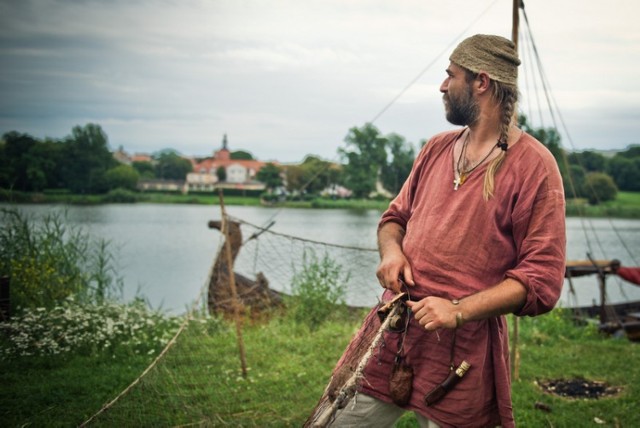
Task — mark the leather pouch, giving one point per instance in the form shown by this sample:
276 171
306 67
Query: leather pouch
401 383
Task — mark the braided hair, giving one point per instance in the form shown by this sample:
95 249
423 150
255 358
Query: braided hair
506 96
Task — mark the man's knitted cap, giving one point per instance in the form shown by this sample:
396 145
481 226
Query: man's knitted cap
494 55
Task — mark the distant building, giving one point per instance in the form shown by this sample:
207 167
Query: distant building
125 158
121 156
142 157
159 185
239 173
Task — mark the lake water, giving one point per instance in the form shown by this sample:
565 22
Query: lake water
165 252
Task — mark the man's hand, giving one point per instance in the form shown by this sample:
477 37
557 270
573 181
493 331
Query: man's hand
393 266
434 312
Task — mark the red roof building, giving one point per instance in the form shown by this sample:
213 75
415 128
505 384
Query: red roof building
239 173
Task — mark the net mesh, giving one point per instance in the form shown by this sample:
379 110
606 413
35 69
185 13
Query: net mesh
200 365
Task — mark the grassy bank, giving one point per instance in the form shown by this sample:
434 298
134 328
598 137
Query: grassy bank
627 204
199 381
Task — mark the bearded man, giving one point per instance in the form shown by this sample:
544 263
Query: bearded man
476 232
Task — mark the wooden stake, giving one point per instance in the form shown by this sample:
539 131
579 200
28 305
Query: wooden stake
237 306
515 352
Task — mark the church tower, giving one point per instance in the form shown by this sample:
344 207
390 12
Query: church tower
223 153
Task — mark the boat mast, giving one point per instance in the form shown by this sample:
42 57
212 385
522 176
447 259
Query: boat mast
516 21
515 354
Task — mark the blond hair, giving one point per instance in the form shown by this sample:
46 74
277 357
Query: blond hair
506 96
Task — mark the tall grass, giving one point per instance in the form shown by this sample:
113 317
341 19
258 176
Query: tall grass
69 344
46 261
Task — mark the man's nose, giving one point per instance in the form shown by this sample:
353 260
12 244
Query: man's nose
444 87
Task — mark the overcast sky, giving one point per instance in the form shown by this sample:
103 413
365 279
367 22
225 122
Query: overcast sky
287 78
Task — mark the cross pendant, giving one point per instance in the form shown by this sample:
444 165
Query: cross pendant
459 181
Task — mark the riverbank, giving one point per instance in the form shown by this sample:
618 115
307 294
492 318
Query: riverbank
626 205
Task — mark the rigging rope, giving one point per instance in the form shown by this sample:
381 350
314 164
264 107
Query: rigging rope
412 82
424 70
551 102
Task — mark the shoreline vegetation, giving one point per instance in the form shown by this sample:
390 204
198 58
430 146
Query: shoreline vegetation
626 205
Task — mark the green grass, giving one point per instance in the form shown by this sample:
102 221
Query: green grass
627 204
62 392
630 199
199 381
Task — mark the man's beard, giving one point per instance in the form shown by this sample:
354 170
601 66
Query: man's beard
461 110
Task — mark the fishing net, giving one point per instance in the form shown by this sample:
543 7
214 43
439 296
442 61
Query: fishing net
197 379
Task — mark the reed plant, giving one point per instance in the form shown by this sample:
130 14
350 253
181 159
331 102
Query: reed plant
46 261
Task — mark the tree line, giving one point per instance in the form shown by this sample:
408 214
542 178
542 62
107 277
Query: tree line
81 163
589 174
370 163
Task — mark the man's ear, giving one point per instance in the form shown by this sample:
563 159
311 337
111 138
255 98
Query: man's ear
483 82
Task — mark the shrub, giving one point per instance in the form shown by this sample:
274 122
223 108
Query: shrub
120 195
47 262
317 290
599 187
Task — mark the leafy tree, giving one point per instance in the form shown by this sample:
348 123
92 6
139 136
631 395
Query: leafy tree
86 160
49 156
599 187
295 175
29 164
5 166
632 151
625 172
122 176
395 173
270 176
171 166
574 187
241 155
312 176
145 169
16 151
221 173
365 154
589 160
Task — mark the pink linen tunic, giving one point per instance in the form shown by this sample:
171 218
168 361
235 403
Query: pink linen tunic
459 244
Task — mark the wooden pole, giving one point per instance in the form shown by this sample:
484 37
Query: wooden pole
237 306
515 22
515 353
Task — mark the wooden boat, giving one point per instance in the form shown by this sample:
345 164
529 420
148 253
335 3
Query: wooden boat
614 319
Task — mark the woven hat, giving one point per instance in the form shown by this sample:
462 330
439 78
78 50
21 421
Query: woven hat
494 55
